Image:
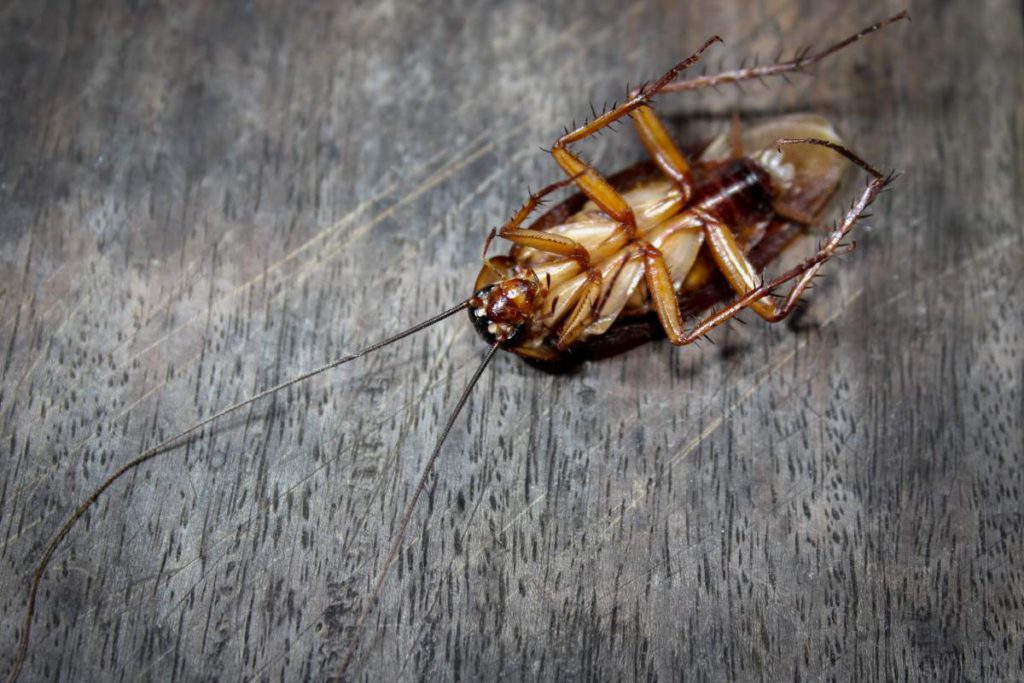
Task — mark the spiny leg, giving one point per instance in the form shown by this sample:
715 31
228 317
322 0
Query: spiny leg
534 200
548 242
798 63
583 313
737 268
659 282
728 255
745 238
832 244
659 143
663 150
652 133
537 239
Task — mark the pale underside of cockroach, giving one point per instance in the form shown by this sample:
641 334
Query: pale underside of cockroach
631 251
626 260
771 189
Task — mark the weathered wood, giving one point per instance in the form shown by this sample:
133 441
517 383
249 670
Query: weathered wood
200 199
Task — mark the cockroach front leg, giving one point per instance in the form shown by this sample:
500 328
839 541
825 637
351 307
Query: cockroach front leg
739 272
547 242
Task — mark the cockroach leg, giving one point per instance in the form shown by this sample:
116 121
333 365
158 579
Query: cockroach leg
537 239
733 263
652 133
534 200
663 149
660 283
798 63
595 187
831 246
663 295
548 242
487 243
583 314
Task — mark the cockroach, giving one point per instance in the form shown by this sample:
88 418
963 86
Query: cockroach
627 259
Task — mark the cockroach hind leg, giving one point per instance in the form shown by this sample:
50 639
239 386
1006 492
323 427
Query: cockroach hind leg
801 62
803 273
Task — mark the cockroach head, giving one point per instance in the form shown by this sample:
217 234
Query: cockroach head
500 311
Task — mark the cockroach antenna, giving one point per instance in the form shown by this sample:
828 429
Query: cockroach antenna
410 508
164 446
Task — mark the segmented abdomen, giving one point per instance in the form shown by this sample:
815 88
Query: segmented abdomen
738 192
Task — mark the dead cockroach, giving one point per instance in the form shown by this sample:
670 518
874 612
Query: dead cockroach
628 258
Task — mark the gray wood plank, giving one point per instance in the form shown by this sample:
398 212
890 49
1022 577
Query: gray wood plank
201 199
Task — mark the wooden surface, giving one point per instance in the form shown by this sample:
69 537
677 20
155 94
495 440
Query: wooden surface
200 199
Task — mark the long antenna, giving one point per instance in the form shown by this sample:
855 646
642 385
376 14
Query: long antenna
149 454
421 485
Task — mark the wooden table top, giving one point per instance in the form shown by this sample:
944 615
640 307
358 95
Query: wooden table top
202 199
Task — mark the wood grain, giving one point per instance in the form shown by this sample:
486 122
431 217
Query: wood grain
201 199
